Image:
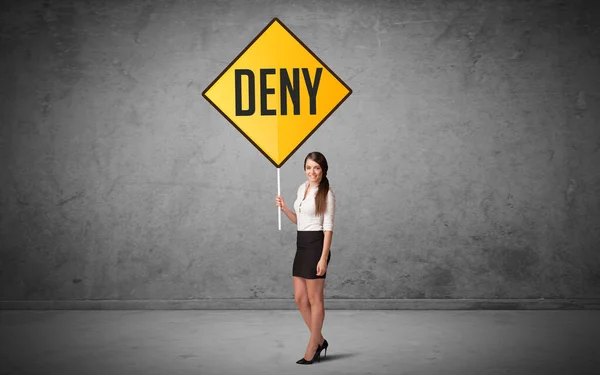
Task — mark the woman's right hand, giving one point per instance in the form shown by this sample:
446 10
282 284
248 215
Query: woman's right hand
279 202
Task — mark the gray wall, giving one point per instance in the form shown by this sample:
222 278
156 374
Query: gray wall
465 163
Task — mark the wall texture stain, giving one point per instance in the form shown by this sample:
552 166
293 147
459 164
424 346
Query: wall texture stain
465 163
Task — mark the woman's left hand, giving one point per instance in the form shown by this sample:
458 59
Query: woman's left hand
321 267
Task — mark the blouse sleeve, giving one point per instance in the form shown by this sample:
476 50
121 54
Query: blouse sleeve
329 212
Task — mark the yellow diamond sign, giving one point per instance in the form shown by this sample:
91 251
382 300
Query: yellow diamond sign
277 92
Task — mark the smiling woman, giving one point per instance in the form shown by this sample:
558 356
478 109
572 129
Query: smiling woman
314 212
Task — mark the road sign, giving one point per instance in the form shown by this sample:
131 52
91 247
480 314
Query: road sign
277 92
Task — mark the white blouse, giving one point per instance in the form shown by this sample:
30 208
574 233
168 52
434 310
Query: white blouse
305 210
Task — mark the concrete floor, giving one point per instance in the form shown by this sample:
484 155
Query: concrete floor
270 342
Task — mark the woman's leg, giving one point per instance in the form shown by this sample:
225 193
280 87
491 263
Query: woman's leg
314 288
301 297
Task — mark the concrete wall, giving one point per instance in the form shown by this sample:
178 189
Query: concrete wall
465 163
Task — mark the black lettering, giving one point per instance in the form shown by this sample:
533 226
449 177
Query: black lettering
312 88
264 91
239 111
294 90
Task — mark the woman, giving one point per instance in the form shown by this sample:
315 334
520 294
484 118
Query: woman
313 213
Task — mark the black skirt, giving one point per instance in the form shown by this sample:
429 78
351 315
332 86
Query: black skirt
308 253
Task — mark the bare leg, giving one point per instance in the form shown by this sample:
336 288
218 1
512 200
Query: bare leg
314 288
302 301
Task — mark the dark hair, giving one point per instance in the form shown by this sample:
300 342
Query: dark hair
321 197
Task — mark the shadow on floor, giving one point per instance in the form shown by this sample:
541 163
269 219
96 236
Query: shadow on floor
335 357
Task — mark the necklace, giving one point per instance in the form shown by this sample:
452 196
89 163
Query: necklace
308 187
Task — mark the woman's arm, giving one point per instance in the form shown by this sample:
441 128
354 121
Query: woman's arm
328 220
326 244
322 265
289 213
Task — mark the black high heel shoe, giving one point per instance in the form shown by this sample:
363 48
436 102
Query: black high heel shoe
324 346
316 357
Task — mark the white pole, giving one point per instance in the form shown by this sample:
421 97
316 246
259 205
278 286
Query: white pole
279 193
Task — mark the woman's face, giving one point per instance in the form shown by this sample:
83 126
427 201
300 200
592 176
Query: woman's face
313 171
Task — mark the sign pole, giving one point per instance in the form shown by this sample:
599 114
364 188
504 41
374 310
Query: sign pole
276 46
279 193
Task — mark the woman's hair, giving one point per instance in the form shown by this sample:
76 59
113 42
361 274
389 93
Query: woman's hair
321 197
